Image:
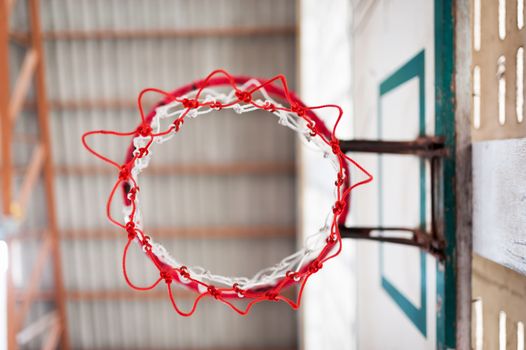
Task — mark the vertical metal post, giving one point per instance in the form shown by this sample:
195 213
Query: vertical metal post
5 120
463 98
6 162
43 120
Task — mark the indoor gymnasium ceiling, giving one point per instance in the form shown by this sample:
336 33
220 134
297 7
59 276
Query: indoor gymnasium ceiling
222 195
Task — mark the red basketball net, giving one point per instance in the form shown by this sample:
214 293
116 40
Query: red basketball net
243 94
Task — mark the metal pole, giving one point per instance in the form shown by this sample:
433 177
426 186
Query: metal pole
6 162
5 122
43 119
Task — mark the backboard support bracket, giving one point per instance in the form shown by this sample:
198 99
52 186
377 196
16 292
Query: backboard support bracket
433 149
422 146
397 235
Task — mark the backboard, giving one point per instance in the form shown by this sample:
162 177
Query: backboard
402 64
400 67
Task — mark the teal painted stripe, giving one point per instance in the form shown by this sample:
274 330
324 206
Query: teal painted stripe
414 68
417 315
445 125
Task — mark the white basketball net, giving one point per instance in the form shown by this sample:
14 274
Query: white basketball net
165 115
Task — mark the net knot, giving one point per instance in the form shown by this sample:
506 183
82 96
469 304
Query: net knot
332 239
293 275
338 207
183 271
146 245
244 96
335 145
132 194
240 292
166 275
216 105
177 123
144 130
315 266
268 106
190 103
124 172
142 152
213 291
272 295
130 228
299 110
339 180
312 128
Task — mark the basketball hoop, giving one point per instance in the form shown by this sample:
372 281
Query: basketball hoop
220 91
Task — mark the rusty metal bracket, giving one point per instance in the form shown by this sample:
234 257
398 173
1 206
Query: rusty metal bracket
424 146
397 235
434 150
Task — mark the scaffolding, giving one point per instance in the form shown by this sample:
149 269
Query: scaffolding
52 326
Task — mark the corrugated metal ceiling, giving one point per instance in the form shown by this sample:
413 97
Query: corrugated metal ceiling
99 55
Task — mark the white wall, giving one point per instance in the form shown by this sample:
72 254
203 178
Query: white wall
329 308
